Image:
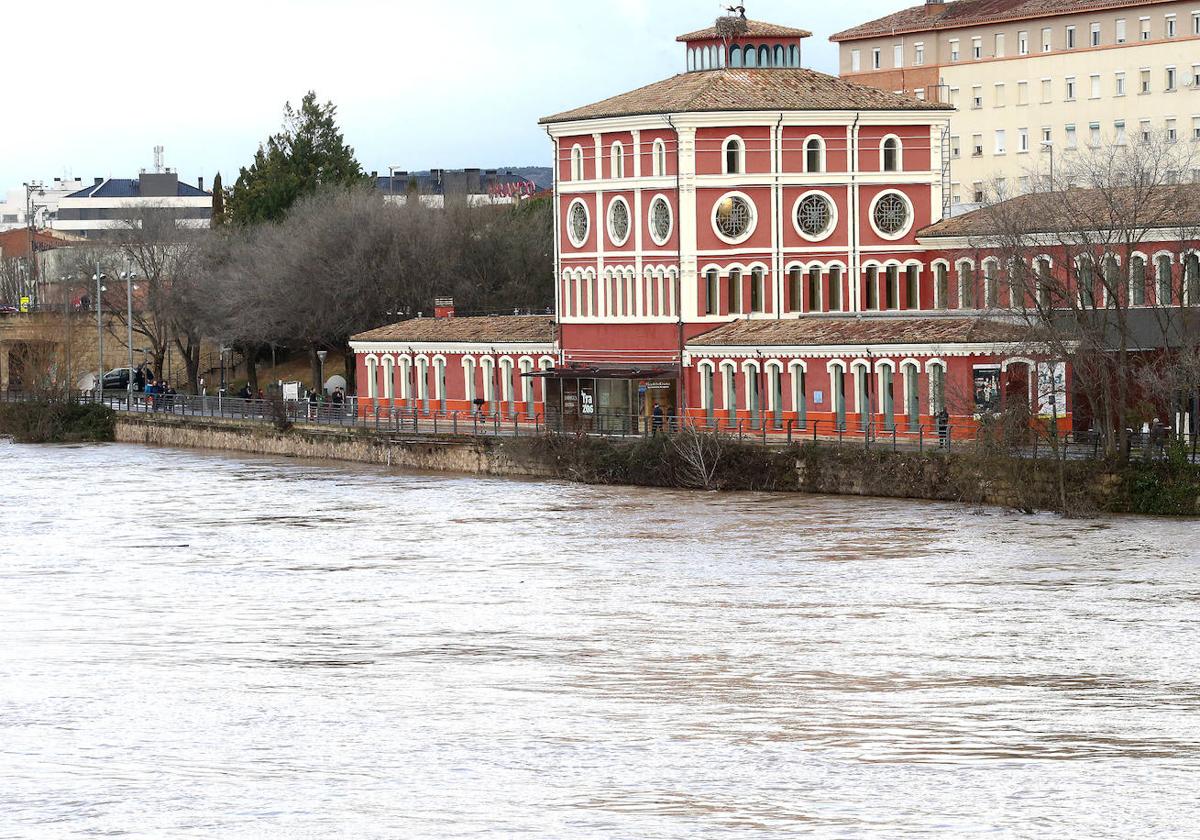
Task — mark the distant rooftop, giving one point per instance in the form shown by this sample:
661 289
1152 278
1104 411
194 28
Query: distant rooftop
132 188
754 29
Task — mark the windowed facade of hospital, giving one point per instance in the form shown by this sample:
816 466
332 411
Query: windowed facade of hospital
1127 73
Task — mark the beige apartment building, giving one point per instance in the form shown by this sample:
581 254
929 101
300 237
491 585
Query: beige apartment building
1034 81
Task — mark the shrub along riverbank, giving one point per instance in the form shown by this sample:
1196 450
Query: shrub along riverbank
56 422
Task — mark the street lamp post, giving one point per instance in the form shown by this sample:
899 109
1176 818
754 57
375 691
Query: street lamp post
321 356
1048 145
100 289
129 287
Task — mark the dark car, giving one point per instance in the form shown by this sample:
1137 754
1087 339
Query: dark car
8 309
117 379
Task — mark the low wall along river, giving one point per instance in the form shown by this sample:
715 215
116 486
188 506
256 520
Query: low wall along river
971 478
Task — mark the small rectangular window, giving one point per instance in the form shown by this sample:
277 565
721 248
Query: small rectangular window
1095 80
1120 31
920 94
1196 75
955 146
1196 128
977 192
1171 78
876 59
1145 80
1144 28
855 61
1022 140
1119 133
1196 23
1095 34
1170 27
1022 43
1070 89
999 100
1022 93
954 49
898 55
1047 135
976 48
919 55
999 45
1120 84
1172 134
976 97
976 145
1047 90
1072 137
1145 131
1000 141
1070 37
1094 134
1046 40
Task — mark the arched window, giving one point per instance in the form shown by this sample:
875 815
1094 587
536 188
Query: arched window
1085 280
751 57
735 291
734 156
837 388
712 292
937 387
439 381
576 163
814 155
966 285
735 60
764 56
660 158
618 161
757 290
372 378
1191 275
912 287
1163 295
991 284
833 299
814 289
691 60
891 154
1045 284
1137 280
780 56
941 287
729 374
799 393
794 56
912 399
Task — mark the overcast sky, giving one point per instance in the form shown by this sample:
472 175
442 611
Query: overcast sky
94 86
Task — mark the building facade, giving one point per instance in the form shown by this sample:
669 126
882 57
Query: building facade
39 200
1031 80
752 245
112 204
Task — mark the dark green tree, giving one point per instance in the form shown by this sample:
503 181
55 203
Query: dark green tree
307 155
218 204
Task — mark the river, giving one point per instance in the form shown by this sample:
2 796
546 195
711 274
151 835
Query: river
222 646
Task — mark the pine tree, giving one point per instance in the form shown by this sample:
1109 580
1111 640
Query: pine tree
218 202
307 154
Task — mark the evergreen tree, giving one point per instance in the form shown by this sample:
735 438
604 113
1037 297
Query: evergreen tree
308 154
218 204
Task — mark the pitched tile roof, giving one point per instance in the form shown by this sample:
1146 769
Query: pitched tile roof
754 29
869 330
483 329
972 12
1175 206
132 188
743 89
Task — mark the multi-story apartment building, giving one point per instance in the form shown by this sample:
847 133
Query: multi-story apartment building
112 204
1035 79
37 198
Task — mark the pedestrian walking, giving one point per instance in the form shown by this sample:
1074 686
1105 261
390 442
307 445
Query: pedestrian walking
943 427
656 422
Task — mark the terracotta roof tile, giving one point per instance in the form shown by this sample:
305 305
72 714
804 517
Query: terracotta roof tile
489 328
754 29
1080 209
973 12
869 330
796 89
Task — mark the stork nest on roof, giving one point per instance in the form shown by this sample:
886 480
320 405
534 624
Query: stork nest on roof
731 26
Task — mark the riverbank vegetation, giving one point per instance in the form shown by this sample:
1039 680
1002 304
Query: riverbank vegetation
51 421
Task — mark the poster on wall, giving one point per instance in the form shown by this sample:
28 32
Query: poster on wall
587 399
1052 389
987 390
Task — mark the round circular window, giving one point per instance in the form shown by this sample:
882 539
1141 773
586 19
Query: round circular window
815 216
660 220
578 223
733 218
892 215
618 221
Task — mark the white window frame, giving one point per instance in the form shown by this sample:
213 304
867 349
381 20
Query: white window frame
733 138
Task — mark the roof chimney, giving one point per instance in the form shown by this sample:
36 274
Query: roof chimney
443 307
98 182
200 183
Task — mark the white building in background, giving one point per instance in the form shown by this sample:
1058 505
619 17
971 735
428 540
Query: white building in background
1030 76
45 199
112 203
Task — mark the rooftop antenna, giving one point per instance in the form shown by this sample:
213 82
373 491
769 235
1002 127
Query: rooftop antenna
158 159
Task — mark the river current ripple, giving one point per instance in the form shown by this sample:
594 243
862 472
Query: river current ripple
221 646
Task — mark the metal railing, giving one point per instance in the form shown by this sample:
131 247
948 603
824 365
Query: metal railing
489 421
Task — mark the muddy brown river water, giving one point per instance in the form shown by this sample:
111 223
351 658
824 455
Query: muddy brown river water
202 645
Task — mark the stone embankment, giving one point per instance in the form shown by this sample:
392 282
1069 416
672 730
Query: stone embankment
704 462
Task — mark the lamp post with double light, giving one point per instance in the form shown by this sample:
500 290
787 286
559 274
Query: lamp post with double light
100 277
129 277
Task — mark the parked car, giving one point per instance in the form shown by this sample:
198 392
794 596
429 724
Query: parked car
8 309
117 379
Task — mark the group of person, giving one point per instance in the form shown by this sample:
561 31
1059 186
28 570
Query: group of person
159 394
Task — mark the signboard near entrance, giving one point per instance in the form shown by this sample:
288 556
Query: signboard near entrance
987 389
587 400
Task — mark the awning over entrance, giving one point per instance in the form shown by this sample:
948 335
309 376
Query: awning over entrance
603 372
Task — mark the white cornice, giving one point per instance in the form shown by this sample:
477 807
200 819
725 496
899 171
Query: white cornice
765 118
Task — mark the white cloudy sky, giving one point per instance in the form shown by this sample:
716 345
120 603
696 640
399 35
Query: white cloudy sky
94 86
